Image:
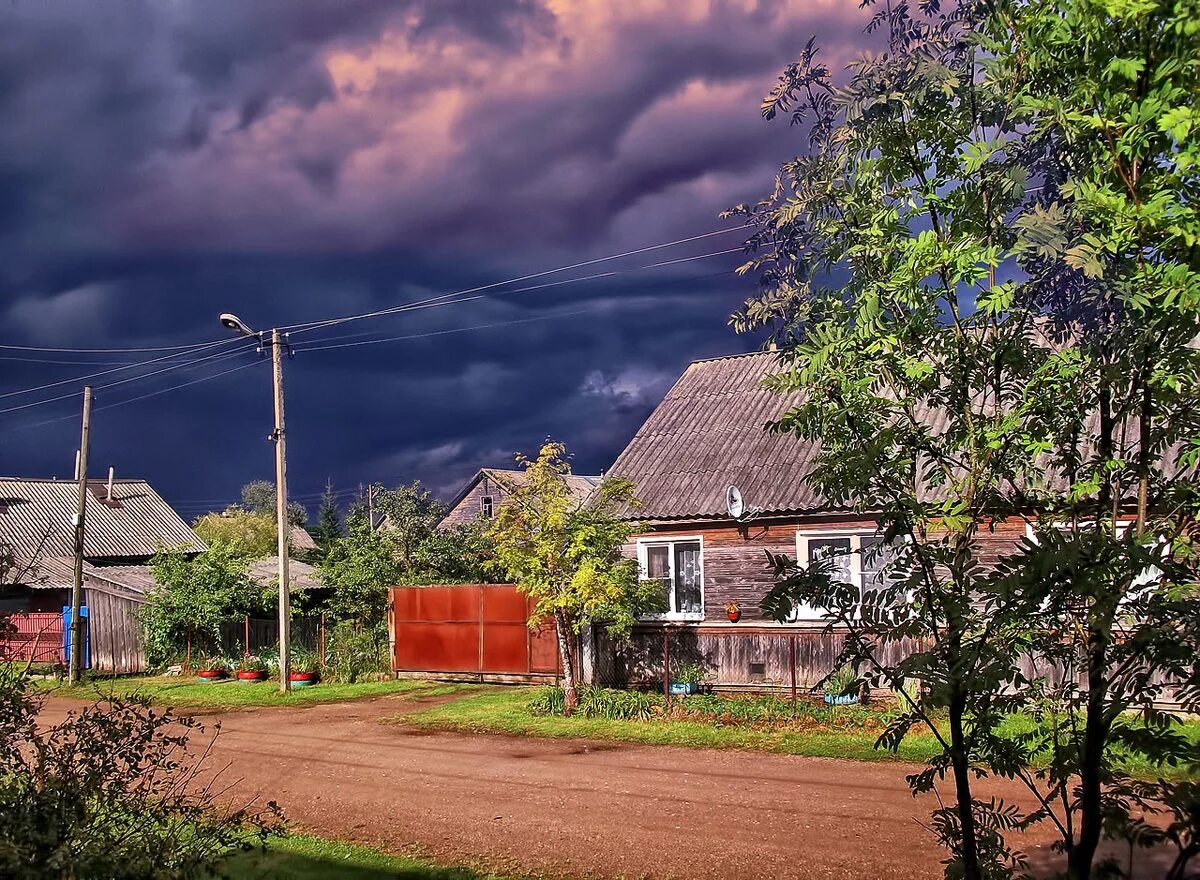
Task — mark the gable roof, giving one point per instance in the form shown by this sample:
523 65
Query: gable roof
580 485
708 434
37 518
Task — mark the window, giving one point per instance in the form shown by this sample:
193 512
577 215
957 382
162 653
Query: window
1146 578
678 565
485 506
859 558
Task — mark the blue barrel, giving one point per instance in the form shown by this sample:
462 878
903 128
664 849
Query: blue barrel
87 647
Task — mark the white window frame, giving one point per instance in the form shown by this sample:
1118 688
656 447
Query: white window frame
643 568
804 613
1145 579
490 511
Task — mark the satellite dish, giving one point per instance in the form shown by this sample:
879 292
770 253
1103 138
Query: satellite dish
734 503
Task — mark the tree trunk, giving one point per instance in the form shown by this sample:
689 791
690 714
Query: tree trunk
962 787
562 628
1091 767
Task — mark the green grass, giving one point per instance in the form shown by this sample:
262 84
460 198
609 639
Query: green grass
313 858
186 693
508 712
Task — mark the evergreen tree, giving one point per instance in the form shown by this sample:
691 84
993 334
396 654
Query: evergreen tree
329 520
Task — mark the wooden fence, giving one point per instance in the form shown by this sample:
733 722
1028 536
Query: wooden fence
256 635
36 636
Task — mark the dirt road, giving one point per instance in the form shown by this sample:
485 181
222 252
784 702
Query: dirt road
576 807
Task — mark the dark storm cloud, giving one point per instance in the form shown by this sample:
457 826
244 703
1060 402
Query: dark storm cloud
287 160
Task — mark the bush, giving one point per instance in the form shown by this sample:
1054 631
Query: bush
113 791
596 702
354 653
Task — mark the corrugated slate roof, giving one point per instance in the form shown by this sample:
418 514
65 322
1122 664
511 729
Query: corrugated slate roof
135 523
708 434
581 486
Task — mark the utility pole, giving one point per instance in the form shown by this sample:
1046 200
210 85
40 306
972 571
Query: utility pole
282 528
371 507
281 518
75 667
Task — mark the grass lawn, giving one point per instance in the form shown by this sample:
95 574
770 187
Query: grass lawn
508 712
312 858
187 693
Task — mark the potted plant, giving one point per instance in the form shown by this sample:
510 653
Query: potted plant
837 685
212 669
733 611
687 680
252 669
303 665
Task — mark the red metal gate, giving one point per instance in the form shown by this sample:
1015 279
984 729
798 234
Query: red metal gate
468 628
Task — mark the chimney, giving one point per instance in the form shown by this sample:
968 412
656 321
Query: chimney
111 472
76 477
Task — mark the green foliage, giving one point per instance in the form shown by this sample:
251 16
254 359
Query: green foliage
258 496
302 660
329 520
250 535
194 594
565 552
251 663
403 547
596 702
113 791
354 653
1007 199
359 568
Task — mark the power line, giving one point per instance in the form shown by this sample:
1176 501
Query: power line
313 325
105 350
143 396
179 366
108 372
444 332
441 301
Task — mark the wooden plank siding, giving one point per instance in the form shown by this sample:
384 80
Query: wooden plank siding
114 636
467 510
756 652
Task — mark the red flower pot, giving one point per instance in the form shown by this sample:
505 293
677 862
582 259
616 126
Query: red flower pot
252 675
210 674
302 679
734 616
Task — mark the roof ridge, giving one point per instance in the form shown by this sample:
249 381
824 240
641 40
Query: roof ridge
730 357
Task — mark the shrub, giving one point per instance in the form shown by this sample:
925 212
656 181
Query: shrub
113 791
302 660
213 664
354 653
596 702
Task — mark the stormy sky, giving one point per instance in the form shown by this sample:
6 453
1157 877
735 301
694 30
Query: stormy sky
294 160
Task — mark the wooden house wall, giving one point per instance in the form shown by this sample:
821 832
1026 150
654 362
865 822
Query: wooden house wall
755 652
115 639
467 510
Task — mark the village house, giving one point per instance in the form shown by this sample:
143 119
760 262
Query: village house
717 491
481 496
127 522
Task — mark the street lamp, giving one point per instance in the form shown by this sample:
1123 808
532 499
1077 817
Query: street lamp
234 323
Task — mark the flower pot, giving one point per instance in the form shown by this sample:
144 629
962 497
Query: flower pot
734 616
302 679
252 675
841 699
208 676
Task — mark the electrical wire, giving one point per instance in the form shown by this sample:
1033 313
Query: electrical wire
105 350
220 355
141 396
131 366
439 302
445 332
314 325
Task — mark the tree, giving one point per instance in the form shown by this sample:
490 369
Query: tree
251 535
258 496
565 552
193 595
411 514
329 520
359 568
1011 340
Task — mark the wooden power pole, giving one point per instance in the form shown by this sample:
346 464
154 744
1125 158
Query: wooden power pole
76 660
281 518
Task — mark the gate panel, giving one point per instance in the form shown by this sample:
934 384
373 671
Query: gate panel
468 628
